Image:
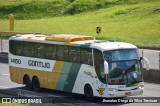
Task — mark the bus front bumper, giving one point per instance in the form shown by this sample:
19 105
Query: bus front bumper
114 94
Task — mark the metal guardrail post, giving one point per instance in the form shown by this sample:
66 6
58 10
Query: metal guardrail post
159 60
142 53
11 18
142 62
1 45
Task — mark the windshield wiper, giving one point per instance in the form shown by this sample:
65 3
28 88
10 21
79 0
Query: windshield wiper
132 77
128 71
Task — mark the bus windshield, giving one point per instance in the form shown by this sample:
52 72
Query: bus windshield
120 55
124 67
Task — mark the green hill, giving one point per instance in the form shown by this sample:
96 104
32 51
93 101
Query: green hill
134 21
36 9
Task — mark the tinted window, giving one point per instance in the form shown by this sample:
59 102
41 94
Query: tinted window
29 49
16 47
74 54
62 53
39 50
86 56
50 51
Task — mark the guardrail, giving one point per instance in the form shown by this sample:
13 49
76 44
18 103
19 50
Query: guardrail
153 57
4 57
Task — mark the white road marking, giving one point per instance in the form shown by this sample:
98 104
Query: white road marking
5 74
4 87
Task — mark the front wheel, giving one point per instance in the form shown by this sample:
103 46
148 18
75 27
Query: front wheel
89 92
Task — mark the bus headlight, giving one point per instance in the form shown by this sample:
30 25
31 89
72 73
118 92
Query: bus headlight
113 89
141 86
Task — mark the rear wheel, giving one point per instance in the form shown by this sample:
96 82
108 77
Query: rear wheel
27 82
89 92
36 84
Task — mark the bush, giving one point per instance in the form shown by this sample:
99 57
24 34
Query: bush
34 9
83 5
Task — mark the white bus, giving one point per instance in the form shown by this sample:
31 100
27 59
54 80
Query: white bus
76 64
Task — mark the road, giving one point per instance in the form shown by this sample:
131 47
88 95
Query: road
151 90
152 55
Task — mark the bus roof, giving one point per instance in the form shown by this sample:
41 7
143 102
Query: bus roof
103 46
75 40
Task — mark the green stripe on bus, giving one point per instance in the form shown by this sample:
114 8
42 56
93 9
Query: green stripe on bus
86 45
72 77
63 76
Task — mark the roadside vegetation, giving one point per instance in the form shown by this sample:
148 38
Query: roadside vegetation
134 21
33 9
14 104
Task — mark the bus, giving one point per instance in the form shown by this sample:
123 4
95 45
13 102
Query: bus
76 64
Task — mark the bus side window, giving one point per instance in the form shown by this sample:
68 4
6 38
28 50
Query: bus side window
20 48
39 50
29 49
62 53
12 46
74 54
16 47
86 56
50 51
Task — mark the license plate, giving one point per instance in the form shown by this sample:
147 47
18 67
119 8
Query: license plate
128 93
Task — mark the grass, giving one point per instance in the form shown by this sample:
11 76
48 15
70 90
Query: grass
32 9
137 23
14 104
36 9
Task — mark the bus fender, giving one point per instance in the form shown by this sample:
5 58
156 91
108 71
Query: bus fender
88 83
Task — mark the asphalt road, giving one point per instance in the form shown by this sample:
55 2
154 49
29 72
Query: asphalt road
152 55
151 90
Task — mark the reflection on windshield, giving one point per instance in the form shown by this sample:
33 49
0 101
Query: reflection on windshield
118 55
125 72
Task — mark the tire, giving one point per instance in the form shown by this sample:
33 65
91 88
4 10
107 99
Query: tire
89 93
36 84
27 82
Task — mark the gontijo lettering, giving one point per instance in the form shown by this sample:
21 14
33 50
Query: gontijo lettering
38 64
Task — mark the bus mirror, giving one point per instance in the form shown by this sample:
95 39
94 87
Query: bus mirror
106 70
146 62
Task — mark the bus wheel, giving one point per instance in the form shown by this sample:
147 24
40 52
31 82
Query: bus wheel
36 84
27 82
89 92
